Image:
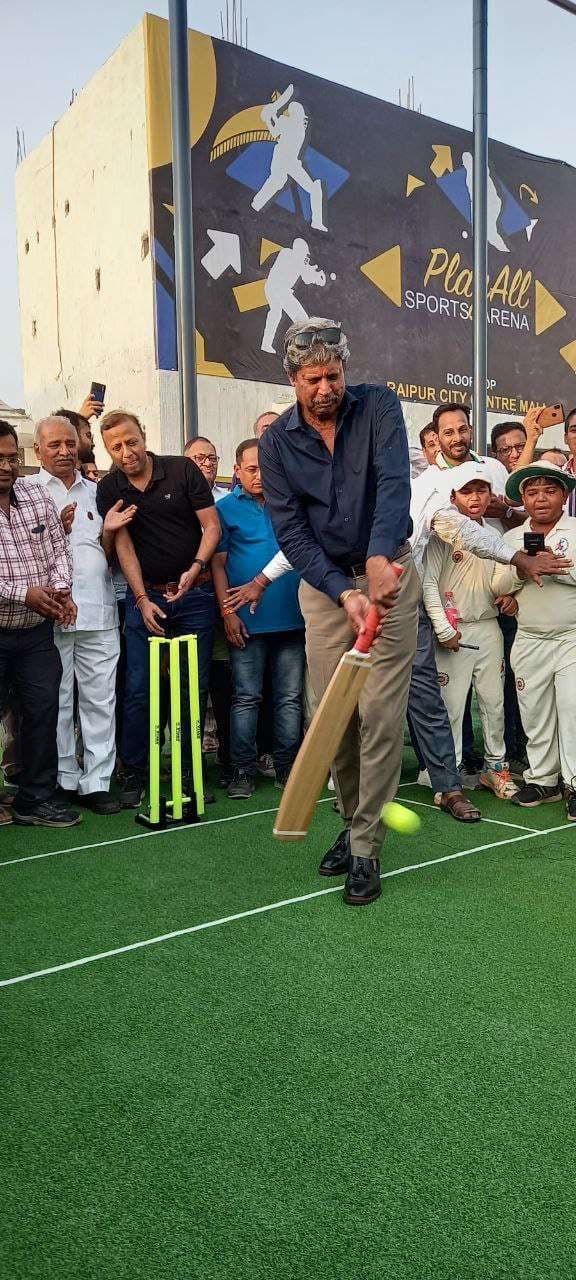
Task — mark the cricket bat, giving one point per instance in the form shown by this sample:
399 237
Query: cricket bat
327 728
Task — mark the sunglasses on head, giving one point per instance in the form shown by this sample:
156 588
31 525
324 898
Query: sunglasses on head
330 336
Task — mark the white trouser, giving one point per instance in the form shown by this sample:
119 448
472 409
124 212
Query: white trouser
547 698
91 656
484 669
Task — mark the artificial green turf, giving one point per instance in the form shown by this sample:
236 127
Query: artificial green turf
314 1092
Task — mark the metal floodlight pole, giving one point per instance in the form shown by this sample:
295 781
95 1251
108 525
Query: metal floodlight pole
479 219
183 221
568 5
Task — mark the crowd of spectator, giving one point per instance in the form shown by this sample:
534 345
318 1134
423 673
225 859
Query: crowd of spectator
91 565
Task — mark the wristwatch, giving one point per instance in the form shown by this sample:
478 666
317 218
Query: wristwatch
202 563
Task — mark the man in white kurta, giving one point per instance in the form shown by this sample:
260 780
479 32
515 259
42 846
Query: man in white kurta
460 603
89 650
544 652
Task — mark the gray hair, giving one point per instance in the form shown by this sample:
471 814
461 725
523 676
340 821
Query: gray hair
52 417
296 358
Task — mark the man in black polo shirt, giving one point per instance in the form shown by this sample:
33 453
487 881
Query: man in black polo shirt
164 558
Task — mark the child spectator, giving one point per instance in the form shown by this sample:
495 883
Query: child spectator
460 602
544 652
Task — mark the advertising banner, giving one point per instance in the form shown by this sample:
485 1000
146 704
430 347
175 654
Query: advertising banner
314 199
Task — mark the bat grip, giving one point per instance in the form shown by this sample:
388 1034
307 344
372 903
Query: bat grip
366 639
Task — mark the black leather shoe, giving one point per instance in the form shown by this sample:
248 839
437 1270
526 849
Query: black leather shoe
363 884
188 789
100 802
133 790
337 861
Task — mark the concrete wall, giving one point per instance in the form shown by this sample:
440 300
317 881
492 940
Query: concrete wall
227 410
83 207
90 175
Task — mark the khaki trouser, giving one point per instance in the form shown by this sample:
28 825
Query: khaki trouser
367 767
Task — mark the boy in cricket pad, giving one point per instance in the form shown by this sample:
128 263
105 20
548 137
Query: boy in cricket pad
544 652
460 602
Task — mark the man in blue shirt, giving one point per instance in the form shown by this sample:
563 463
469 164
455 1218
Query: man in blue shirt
336 477
274 634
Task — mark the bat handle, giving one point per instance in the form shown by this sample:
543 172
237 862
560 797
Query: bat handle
365 641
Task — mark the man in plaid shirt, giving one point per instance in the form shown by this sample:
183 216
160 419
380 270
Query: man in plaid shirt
35 591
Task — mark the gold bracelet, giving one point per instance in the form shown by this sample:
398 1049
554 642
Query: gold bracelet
344 594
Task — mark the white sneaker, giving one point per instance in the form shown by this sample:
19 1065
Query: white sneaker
331 786
423 779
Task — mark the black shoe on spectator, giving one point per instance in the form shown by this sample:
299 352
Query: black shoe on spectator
242 785
225 776
100 802
188 789
363 884
133 790
63 794
472 763
570 798
48 814
336 862
517 765
531 795
266 766
281 779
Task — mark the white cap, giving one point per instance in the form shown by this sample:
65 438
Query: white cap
457 477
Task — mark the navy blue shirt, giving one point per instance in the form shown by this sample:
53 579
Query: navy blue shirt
333 511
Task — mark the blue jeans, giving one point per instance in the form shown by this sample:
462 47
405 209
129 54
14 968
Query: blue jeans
284 651
194 614
427 715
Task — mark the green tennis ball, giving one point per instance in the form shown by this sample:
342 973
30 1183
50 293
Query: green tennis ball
397 818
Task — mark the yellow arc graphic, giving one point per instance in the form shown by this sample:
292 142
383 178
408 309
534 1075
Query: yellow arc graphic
246 126
203 76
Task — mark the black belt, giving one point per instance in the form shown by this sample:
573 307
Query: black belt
358 570
202 578
355 570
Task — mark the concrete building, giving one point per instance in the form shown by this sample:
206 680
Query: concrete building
24 427
89 265
86 270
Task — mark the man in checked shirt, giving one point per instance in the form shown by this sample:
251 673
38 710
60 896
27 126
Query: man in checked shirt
35 592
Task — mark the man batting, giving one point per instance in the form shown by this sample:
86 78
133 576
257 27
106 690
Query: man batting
336 478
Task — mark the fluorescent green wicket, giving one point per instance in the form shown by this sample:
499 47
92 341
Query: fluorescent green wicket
155 643
175 730
176 803
195 735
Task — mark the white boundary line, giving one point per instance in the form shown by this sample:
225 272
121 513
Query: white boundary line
497 822
144 835
200 826
271 906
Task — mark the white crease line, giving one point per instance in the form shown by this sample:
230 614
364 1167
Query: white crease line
516 826
271 906
145 835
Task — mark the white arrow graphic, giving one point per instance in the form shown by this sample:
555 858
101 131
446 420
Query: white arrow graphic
225 252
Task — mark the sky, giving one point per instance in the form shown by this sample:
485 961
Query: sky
50 48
